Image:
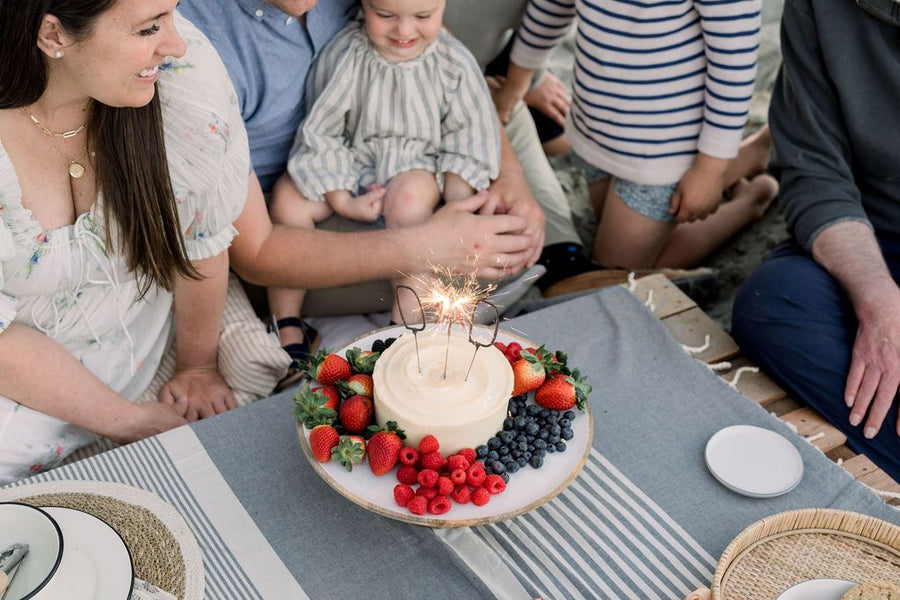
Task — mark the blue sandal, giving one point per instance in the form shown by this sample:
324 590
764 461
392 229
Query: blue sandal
299 352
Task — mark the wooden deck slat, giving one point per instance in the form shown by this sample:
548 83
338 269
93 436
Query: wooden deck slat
756 386
809 423
868 472
783 406
692 326
667 298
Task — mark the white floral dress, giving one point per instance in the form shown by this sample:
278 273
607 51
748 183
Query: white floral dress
62 282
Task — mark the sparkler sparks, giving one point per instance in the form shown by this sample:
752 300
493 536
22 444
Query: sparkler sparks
451 298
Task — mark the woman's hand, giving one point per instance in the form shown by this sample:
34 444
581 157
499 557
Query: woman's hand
509 90
197 393
147 419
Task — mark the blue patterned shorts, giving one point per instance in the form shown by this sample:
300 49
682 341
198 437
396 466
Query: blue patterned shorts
649 200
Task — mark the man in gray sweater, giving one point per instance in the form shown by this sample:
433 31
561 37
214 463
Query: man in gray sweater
822 313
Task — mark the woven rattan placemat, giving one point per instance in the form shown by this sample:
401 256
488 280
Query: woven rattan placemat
154 551
780 551
163 549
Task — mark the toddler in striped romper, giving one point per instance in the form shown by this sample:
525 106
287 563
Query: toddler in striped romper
400 117
661 95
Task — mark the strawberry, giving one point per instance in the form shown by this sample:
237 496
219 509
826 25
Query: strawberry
428 444
351 450
358 384
331 394
562 392
356 413
528 373
362 361
384 447
327 368
322 439
311 407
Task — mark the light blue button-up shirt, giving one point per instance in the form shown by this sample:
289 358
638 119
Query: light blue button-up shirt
268 55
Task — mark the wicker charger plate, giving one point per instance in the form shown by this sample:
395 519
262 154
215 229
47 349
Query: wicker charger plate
780 551
163 549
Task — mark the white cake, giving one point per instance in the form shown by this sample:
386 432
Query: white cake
460 414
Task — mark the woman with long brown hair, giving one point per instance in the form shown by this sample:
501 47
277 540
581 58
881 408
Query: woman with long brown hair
121 172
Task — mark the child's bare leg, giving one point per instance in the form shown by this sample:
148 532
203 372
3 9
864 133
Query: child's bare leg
597 191
626 238
289 207
365 207
752 158
410 199
456 188
692 242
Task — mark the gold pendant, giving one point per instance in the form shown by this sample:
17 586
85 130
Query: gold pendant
76 170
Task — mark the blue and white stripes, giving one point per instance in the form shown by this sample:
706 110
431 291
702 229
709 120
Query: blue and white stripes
654 82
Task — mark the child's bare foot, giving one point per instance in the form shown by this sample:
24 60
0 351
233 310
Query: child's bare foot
758 146
756 194
365 207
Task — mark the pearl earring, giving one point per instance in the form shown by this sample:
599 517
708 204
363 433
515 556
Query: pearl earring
58 54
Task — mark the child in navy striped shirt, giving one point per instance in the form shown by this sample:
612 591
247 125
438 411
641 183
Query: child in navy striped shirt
661 96
400 117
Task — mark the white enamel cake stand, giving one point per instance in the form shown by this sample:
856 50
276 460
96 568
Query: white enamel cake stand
527 489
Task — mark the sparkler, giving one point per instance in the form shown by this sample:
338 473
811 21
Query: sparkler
415 331
474 341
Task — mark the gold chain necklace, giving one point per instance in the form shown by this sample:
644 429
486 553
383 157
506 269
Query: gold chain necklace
76 169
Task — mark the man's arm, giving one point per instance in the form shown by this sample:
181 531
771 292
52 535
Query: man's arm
850 252
283 256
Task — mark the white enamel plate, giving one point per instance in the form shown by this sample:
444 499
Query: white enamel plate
754 461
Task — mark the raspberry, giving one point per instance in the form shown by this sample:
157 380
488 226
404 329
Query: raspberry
494 484
439 505
480 497
432 460
458 476
409 456
514 349
428 444
427 493
403 494
427 478
444 486
407 474
458 462
461 494
468 454
417 505
475 475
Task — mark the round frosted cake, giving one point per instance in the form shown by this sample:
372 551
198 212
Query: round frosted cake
459 412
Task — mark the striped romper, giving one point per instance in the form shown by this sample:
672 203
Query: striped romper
371 119
655 81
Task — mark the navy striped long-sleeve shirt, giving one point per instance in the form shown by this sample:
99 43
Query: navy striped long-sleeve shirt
655 81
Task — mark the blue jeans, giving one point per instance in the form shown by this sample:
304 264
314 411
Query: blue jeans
793 319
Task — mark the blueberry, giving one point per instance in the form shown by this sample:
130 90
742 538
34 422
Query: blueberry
532 429
530 448
515 454
536 461
544 413
508 423
551 449
532 410
564 422
378 346
560 446
492 455
505 477
388 342
521 446
522 438
339 428
521 461
519 422
552 440
554 413
503 450
497 467
526 455
507 436
555 429
569 414
507 459
512 409
542 452
544 434
512 467
487 470
567 433
481 451
494 443
521 398
529 438
540 444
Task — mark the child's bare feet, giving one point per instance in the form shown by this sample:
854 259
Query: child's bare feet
757 147
365 207
756 194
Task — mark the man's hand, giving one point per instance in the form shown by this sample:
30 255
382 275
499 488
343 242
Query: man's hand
875 364
197 393
511 195
699 192
551 98
489 245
